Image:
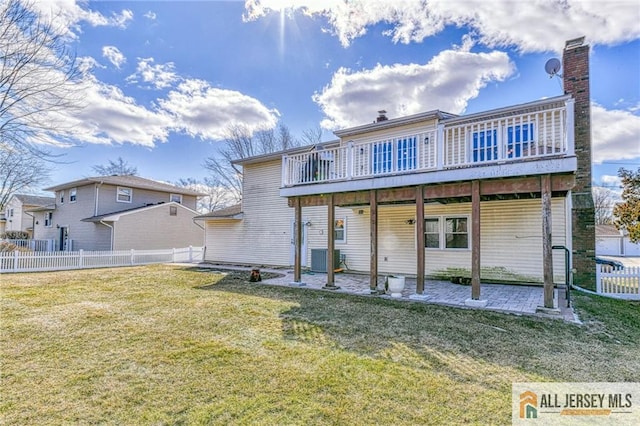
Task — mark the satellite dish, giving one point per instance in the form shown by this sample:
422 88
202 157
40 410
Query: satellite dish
552 67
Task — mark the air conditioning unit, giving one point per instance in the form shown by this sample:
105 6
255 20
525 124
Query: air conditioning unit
319 260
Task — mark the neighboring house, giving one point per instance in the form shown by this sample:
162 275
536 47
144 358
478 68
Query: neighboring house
17 214
118 213
484 196
612 242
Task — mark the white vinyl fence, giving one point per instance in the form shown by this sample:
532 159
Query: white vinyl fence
621 283
18 261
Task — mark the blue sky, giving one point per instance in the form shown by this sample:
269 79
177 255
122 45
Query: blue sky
165 79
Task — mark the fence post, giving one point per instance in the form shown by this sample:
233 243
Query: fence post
598 279
81 260
15 261
133 253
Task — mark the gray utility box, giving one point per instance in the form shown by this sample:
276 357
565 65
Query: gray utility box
319 260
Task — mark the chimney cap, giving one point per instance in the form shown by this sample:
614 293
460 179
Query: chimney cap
381 116
576 42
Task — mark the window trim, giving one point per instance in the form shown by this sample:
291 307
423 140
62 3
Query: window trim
442 232
344 230
175 195
118 200
73 195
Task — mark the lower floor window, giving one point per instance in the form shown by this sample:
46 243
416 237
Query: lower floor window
444 232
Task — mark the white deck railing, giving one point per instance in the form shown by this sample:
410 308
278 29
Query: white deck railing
543 131
18 261
623 283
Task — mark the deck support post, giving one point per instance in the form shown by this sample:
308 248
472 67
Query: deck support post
331 237
297 267
373 231
420 239
475 300
547 254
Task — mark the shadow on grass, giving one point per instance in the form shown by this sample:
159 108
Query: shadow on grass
461 342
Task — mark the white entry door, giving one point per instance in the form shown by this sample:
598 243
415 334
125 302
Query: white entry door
303 261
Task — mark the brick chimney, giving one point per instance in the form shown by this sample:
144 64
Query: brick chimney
575 64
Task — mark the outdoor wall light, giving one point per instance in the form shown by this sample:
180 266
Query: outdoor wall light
307 223
426 140
410 221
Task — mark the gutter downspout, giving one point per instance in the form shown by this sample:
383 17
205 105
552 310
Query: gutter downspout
33 225
110 227
95 209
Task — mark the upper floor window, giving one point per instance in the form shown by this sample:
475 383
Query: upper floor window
446 232
62 197
340 230
382 157
173 211
72 195
518 139
406 153
10 212
175 198
48 219
124 195
485 145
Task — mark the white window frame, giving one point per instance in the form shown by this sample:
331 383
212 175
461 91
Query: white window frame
48 219
438 218
61 197
442 232
10 213
343 240
178 196
130 195
73 195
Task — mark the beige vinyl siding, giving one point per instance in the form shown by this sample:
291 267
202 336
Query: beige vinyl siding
155 228
263 236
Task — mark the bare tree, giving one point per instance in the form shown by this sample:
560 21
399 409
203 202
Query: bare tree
216 196
241 143
20 171
118 167
603 200
311 136
38 79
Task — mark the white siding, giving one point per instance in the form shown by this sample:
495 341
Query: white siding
264 235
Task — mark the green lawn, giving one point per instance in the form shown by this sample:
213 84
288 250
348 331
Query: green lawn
168 345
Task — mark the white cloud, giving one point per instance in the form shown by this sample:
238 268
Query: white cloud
159 76
114 56
447 82
150 15
207 112
67 14
615 134
530 25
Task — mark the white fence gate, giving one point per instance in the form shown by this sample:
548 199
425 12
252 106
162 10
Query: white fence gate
61 260
621 283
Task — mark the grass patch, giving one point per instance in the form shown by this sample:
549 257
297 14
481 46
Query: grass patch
169 345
